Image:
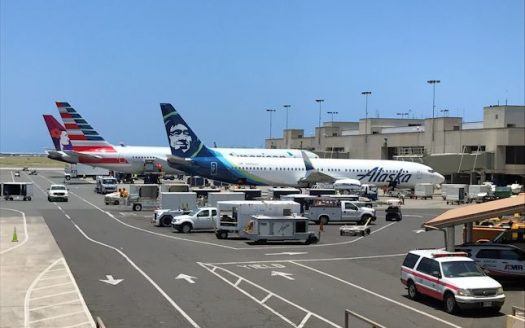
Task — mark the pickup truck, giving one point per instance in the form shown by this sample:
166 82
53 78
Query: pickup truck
337 211
204 218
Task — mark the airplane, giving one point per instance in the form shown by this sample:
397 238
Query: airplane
189 154
88 147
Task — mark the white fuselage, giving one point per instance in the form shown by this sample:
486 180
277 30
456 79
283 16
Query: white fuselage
290 171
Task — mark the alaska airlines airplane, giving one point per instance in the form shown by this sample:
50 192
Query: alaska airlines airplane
189 154
82 144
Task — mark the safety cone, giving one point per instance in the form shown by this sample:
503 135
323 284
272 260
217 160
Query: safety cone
15 237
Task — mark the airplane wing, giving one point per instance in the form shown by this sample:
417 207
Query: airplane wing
77 154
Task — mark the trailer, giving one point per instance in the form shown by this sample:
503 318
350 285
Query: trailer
354 230
215 197
277 193
234 215
249 193
262 228
321 191
173 204
140 196
424 190
175 187
454 193
17 190
479 193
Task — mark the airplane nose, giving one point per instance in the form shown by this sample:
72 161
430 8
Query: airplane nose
439 178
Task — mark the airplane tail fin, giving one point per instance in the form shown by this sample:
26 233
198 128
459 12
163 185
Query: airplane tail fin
83 137
58 133
183 141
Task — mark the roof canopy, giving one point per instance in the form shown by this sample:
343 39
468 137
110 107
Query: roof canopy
477 212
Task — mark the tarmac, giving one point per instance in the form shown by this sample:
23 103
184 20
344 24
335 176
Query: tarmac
133 274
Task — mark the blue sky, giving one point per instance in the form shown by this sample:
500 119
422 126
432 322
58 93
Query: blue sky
222 63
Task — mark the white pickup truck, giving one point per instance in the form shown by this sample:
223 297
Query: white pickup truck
204 218
325 210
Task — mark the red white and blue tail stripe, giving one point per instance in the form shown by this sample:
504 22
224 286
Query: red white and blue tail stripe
82 135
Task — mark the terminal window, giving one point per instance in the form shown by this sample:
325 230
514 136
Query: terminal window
515 155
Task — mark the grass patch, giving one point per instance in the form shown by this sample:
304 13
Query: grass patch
29 161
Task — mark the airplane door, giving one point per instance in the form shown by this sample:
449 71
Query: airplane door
213 168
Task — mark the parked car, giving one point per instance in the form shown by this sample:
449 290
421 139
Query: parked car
393 213
57 192
498 260
203 219
450 277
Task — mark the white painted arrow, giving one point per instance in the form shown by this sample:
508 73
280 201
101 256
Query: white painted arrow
287 253
186 277
282 274
419 230
110 280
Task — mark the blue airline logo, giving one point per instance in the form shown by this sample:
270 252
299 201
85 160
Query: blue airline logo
377 174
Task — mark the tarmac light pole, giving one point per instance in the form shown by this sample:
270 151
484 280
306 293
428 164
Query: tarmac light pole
366 94
270 111
433 83
319 101
287 109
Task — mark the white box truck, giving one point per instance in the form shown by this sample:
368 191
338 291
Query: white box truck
215 197
480 193
234 215
173 204
424 190
73 171
454 193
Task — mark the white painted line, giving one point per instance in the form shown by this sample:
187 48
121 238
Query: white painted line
54 270
144 274
79 294
52 295
52 286
26 235
303 322
207 267
12 176
52 305
56 277
238 282
267 297
376 294
56 316
315 260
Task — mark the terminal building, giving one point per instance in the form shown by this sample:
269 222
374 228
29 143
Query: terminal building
464 152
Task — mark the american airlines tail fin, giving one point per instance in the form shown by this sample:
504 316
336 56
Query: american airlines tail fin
184 143
58 133
83 137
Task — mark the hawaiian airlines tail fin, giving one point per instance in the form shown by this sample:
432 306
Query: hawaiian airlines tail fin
184 143
58 133
83 137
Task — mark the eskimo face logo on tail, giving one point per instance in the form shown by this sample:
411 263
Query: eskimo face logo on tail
180 137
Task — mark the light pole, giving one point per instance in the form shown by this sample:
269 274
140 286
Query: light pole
433 83
445 112
332 113
319 101
287 109
402 114
366 94
270 111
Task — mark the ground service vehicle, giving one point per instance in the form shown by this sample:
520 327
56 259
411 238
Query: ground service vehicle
173 204
201 219
57 192
450 277
332 210
479 193
261 228
393 213
73 171
498 260
424 190
234 215
215 197
17 190
105 185
454 193
140 196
